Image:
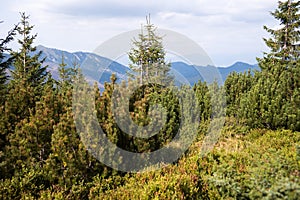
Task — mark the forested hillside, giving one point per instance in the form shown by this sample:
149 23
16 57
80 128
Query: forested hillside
43 155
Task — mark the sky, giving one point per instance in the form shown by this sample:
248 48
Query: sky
228 30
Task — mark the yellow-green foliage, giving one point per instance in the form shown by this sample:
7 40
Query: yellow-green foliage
243 165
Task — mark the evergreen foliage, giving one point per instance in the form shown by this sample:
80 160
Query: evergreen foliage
148 57
5 62
28 64
42 155
237 85
273 101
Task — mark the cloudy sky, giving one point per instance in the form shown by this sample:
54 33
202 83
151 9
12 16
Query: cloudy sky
228 30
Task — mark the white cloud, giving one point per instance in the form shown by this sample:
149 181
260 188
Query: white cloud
229 30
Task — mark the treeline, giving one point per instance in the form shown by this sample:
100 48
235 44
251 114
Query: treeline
42 154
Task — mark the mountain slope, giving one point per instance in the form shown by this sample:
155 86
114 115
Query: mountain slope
209 73
237 67
101 68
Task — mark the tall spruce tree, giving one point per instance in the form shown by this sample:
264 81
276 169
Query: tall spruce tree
151 71
148 70
26 88
28 74
284 41
274 100
148 57
28 64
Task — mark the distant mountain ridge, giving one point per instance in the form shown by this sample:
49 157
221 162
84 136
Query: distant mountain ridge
54 58
107 67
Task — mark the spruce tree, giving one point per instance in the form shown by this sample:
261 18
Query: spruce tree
148 57
284 41
26 87
67 74
5 62
28 64
273 102
150 72
28 75
148 76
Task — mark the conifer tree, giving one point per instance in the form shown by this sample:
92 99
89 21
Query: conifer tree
201 90
148 57
150 72
236 85
273 101
5 61
284 41
69 161
28 64
30 141
67 74
28 76
26 88
148 66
